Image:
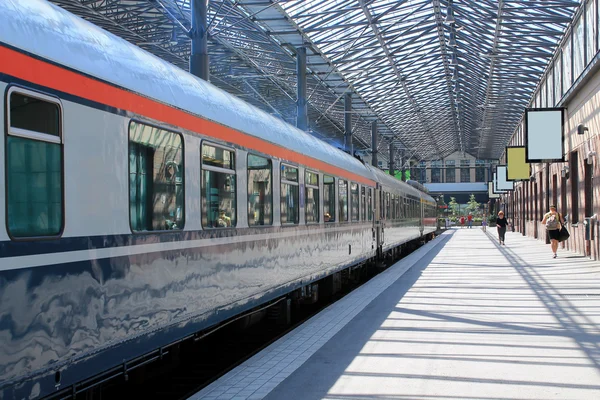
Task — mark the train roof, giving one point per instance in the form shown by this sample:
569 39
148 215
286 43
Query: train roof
52 33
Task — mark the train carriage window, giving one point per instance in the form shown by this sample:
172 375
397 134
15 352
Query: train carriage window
156 187
219 203
363 203
328 198
34 168
354 201
290 195
370 204
311 180
260 192
343 199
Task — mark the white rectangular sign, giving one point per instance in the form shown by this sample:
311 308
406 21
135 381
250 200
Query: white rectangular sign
491 193
503 184
495 180
544 135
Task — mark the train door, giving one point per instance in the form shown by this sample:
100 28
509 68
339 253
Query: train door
422 219
379 218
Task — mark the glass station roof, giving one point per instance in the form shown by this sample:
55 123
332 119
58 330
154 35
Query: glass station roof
438 75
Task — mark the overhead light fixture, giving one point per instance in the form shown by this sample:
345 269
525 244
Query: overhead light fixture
174 39
453 60
455 74
452 41
450 15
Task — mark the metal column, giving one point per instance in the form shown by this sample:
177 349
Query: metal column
391 163
374 141
403 166
348 123
199 32
302 117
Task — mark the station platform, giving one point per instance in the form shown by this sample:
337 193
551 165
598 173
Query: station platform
460 318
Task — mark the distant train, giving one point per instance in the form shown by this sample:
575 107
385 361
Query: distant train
140 205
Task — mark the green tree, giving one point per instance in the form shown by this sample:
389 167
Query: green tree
454 206
473 205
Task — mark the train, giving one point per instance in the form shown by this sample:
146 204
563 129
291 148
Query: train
141 205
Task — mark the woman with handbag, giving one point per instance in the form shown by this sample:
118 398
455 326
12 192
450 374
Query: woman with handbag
554 222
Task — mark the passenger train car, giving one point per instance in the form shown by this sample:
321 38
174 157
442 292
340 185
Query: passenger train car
140 204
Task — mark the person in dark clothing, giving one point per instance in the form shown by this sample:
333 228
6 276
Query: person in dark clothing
501 223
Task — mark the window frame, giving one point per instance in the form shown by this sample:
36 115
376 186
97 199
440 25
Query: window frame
38 136
222 170
335 205
351 202
268 158
310 186
282 181
182 137
339 198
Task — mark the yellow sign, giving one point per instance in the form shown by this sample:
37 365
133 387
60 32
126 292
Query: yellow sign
517 169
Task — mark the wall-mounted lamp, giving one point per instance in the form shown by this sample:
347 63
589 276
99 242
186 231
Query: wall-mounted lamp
590 157
565 172
532 178
581 129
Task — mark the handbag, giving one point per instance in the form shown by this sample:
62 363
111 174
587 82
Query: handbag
563 234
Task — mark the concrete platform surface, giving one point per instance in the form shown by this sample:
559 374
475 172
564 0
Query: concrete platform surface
461 318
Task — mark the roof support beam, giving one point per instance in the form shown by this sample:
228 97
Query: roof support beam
199 57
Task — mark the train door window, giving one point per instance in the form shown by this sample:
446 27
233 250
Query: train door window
363 203
219 206
311 180
370 204
388 214
290 195
354 201
343 199
260 191
34 167
156 188
328 198
574 161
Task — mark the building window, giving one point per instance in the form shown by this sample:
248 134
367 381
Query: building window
465 171
311 180
343 199
218 187
354 201
260 193
480 171
34 170
558 79
590 21
578 48
422 172
436 171
450 171
290 209
566 57
328 198
550 86
156 187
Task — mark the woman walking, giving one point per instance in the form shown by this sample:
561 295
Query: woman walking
553 221
501 223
